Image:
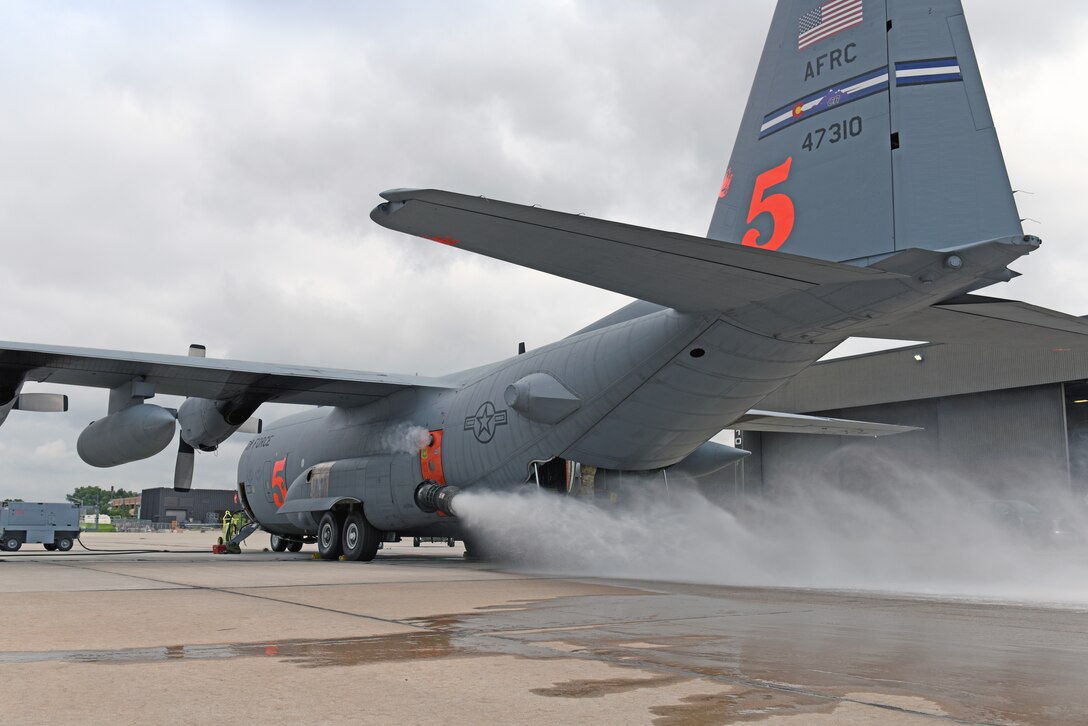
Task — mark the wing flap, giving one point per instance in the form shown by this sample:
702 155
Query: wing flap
676 270
795 423
203 377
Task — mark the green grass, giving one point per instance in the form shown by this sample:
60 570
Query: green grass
83 527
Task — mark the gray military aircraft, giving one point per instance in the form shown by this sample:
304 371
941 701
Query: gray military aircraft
866 196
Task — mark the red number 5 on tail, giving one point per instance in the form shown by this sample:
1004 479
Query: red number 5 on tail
779 206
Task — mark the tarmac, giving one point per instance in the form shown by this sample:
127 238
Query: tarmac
176 634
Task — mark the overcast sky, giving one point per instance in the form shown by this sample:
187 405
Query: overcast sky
203 172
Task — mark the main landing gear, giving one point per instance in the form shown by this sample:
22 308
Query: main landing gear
347 534
283 544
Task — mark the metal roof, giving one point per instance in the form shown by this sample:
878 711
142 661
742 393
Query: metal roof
944 370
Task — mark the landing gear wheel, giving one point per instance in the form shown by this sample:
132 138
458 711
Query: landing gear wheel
51 546
478 550
63 544
12 544
294 545
279 544
474 549
360 539
415 541
329 545
450 542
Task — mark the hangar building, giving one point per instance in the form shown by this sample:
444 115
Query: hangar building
1009 419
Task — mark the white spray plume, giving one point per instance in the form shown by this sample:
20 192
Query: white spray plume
405 438
929 538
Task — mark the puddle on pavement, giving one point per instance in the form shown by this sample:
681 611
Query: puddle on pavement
712 709
304 653
595 688
762 667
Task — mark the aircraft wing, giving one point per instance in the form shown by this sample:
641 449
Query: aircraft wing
201 377
976 319
795 423
671 269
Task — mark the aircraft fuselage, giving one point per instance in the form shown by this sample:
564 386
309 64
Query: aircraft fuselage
645 393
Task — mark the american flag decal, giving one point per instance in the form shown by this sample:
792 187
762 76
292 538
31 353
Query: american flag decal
828 19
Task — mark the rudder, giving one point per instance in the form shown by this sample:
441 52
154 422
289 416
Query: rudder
867 132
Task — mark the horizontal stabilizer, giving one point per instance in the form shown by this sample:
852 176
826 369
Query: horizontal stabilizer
679 271
795 423
978 320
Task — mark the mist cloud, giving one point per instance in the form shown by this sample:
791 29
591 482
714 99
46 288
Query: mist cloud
903 534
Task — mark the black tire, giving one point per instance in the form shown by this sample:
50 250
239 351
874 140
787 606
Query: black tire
450 542
360 540
12 544
51 546
478 549
63 543
415 541
278 544
294 545
473 549
329 544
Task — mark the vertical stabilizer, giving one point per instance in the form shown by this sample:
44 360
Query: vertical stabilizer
867 132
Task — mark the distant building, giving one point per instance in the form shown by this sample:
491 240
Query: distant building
163 504
132 504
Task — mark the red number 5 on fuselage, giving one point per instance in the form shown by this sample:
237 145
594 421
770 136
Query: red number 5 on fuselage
279 482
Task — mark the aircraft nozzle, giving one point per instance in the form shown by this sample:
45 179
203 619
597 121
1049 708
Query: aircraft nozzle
432 497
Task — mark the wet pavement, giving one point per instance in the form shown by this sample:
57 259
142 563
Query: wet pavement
421 635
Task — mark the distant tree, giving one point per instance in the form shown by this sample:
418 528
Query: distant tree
92 496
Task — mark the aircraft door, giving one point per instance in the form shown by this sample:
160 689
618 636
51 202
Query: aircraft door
554 475
243 500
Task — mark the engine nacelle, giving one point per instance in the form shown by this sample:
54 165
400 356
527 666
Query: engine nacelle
202 424
131 434
205 423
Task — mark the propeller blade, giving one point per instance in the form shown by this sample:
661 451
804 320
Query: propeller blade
183 467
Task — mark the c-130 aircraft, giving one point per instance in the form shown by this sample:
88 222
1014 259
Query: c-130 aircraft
866 195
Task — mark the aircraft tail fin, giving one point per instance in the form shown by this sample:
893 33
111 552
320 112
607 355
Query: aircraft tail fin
867 132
